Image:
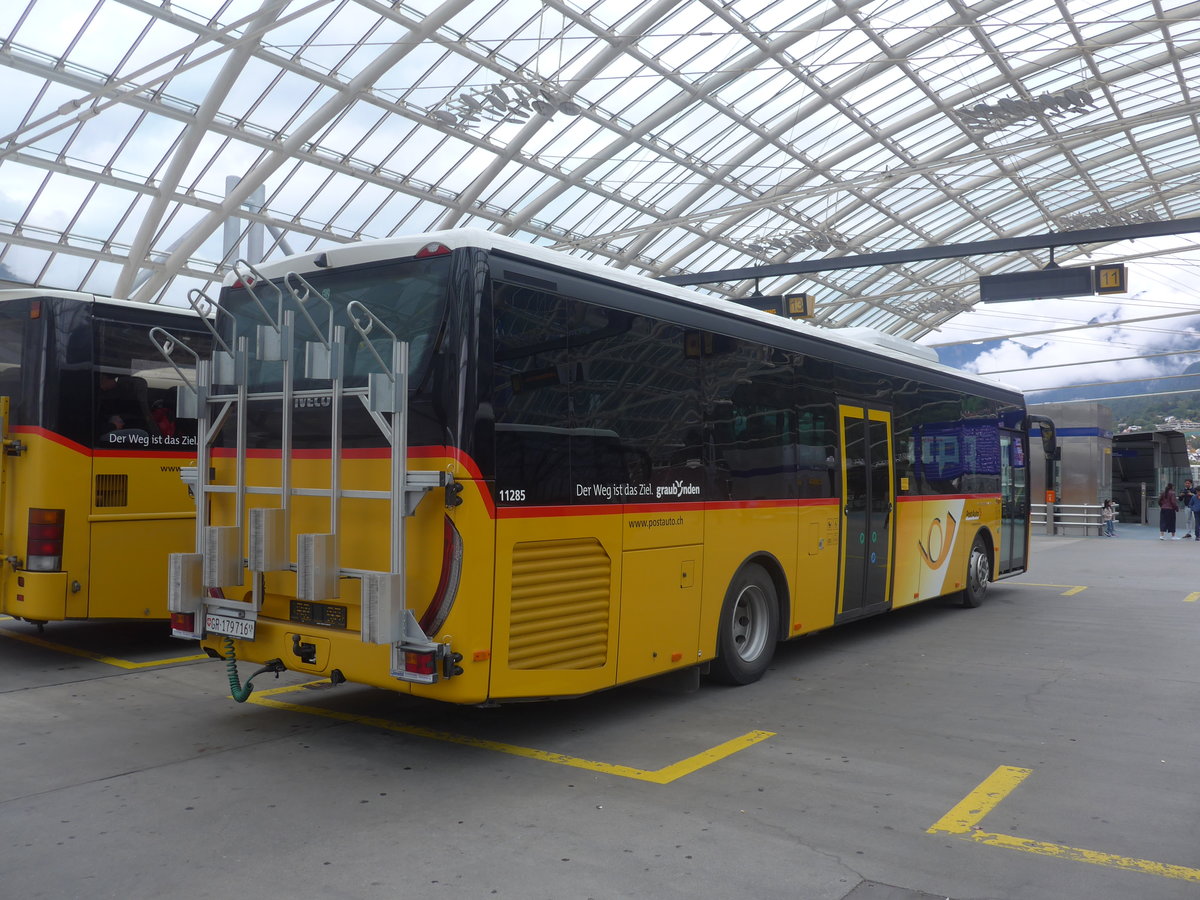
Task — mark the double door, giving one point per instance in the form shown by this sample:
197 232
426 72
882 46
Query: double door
868 505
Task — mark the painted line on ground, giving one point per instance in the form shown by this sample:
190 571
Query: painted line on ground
665 775
1072 589
964 818
1192 597
98 657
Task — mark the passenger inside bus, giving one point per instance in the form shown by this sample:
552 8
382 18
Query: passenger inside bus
121 405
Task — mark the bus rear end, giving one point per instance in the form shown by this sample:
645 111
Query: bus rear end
338 494
90 490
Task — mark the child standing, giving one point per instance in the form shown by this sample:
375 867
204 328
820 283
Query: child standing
1108 515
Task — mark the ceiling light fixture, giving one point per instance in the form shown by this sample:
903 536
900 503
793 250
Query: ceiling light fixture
1104 219
509 101
792 241
1006 112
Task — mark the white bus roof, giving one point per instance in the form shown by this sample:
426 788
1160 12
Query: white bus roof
36 292
360 252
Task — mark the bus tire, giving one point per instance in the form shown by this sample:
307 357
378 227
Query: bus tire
979 573
748 629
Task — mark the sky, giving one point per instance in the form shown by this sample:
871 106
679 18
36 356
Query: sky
1149 333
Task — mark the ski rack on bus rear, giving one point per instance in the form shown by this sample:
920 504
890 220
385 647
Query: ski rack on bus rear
197 580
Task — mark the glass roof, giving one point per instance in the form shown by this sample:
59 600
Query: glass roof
146 146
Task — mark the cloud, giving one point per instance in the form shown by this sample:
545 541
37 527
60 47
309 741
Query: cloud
1153 333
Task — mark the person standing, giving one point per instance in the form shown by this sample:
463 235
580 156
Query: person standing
1185 506
1107 516
1168 505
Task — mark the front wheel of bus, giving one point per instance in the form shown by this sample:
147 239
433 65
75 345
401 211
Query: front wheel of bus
748 628
979 573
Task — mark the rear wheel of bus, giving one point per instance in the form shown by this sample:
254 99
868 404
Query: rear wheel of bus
748 629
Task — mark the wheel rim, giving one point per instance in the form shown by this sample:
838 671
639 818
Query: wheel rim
979 572
749 627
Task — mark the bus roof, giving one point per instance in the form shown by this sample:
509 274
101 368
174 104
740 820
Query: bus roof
360 252
34 293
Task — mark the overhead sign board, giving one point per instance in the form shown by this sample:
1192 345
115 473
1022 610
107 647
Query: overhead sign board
1067 281
792 306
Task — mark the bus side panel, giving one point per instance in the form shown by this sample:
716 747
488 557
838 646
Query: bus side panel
141 512
815 585
558 602
736 533
662 574
933 540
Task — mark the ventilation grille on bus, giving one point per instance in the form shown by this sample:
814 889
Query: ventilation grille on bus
561 598
112 490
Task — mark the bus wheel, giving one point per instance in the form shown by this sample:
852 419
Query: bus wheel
747 632
979 572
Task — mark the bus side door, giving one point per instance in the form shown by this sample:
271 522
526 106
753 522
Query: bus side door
868 500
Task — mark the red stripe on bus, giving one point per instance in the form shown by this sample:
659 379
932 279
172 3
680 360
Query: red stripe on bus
617 509
36 431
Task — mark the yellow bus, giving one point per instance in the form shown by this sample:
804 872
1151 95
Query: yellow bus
90 497
471 469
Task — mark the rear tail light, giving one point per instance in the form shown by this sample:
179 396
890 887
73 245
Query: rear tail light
44 549
434 249
447 589
183 621
421 665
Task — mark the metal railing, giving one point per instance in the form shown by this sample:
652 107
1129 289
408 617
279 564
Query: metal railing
1069 518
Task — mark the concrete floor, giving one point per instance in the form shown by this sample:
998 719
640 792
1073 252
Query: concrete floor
1070 699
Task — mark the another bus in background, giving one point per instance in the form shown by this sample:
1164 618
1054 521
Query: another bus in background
90 498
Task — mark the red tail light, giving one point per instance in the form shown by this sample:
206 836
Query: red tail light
44 549
434 249
185 622
420 663
447 589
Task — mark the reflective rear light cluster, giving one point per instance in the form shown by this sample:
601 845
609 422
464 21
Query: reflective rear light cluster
421 664
434 249
44 549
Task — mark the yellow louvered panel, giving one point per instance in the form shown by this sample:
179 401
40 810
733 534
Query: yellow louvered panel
561 604
112 490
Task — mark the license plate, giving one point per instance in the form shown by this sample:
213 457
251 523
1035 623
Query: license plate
230 625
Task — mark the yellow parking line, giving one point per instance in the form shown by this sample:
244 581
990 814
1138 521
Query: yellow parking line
98 657
972 808
665 775
963 820
1192 597
1071 588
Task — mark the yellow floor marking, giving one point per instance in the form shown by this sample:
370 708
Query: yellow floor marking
963 820
981 801
98 657
1071 588
1192 597
665 775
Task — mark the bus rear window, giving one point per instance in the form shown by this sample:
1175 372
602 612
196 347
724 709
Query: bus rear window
409 297
13 317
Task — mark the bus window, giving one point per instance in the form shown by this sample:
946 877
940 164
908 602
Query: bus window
529 386
751 392
135 392
13 318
